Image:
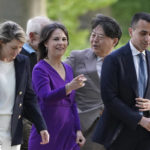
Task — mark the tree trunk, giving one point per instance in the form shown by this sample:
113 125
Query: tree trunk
21 10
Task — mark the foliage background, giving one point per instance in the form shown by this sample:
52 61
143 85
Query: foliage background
69 12
123 10
76 15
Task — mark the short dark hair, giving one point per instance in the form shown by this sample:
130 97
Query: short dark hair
140 16
46 34
110 26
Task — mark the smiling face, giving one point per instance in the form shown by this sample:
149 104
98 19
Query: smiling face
101 44
9 50
57 43
140 35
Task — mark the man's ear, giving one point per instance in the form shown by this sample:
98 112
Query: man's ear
115 41
31 36
130 31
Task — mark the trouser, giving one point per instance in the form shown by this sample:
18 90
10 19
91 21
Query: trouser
89 145
5 136
138 139
5 144
26 133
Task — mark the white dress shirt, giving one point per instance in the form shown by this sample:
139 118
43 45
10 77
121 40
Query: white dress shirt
99 65
135 53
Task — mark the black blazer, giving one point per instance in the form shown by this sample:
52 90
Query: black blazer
25 101
119 88
32 57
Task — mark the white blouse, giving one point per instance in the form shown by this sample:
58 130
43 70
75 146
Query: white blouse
7 87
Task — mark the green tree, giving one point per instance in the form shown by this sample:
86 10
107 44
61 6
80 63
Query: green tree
68 13
123 11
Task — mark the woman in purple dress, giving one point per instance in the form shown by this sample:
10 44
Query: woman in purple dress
54 85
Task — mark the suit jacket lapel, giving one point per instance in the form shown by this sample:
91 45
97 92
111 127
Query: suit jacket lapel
130 69
90 66
147 92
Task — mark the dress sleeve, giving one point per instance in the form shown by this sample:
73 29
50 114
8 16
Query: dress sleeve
42 85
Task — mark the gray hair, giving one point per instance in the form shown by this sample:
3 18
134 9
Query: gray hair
10 30
36 24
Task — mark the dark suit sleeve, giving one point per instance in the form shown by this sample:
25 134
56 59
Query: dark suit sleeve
111 95
31 108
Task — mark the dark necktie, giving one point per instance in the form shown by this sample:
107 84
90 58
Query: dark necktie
142 75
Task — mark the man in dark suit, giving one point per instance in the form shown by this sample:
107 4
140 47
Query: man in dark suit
33 30
104 37
122 126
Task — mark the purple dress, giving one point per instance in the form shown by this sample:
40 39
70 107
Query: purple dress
58 109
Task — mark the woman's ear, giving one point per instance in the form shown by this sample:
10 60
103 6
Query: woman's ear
45 44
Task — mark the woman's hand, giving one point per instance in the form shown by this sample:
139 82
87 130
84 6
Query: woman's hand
45 136
143 104
80 138
76 83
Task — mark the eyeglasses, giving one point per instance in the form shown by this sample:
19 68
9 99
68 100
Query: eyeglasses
98 36
36 33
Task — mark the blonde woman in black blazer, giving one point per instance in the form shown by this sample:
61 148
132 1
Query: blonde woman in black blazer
17 99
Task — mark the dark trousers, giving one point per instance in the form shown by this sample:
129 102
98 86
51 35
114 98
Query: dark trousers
138 139
26 133
89 145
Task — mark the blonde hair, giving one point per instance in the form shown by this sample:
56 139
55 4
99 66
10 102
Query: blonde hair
10 30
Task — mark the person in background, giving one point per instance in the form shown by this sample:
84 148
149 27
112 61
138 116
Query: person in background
125 80
30 48
105 35
33 30
54 86
17 99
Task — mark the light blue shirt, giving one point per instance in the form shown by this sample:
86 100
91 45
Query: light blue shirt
28 48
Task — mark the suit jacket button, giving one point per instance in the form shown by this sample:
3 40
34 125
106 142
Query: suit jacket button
19 116
20 93
20 105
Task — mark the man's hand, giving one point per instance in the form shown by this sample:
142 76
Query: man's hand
143 104
44 136
145 123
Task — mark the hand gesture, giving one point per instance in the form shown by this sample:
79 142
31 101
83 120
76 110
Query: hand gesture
76 83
